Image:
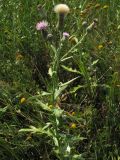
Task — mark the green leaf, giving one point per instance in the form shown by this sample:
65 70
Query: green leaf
78 138
66 58
45 93
95 62
69 82
59 91
55 141
63 86
69 69
39 130
44 106
31 129
54 49
2 110
73 90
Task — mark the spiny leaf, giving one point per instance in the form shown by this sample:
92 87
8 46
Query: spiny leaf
63 86
44 106
69 69
33 129
54 49
59 91
67 83
73 90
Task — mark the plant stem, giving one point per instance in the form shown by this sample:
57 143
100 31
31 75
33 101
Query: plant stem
62 59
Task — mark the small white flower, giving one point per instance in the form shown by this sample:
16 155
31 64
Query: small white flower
68 149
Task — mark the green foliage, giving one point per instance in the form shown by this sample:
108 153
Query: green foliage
60 95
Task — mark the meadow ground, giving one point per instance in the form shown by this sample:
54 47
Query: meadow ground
59 80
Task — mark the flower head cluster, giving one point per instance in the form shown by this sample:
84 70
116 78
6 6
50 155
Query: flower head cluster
61 9
42 25
65 34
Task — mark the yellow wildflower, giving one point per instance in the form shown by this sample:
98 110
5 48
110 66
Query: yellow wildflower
73 125
100 46
22 100
73 113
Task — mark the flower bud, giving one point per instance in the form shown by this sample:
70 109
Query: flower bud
73 39
61 10
84 23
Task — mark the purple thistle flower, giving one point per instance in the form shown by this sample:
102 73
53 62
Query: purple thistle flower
41 25
65 34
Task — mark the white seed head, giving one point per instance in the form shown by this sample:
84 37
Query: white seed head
62 9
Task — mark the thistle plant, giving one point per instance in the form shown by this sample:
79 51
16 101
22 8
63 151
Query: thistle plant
56 87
